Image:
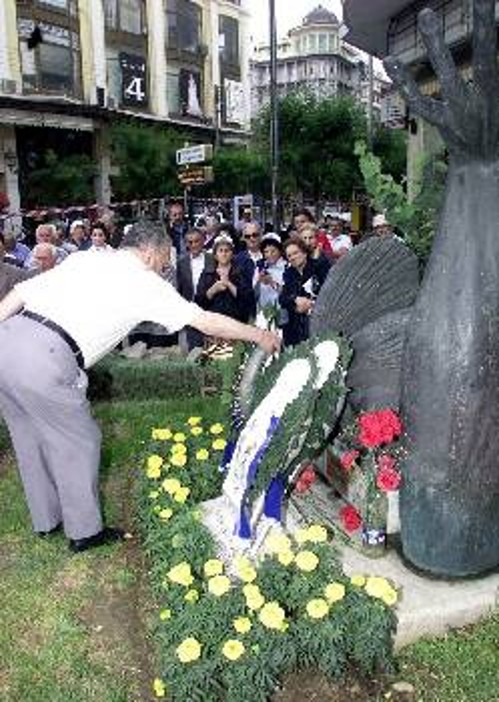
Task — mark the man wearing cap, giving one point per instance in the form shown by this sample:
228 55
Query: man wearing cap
382 228
45 350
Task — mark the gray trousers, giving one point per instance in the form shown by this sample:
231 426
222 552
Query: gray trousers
56 440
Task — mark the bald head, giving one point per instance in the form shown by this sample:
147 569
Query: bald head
44 256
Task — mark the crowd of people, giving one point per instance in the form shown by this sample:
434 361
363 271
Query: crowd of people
245 272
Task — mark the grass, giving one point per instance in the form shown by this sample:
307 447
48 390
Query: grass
74 628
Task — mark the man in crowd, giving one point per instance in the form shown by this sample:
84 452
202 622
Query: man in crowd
46 234
189 270
177 227
71 317
78 235
382 228
247 260
44 257
339 241
15 252
9 275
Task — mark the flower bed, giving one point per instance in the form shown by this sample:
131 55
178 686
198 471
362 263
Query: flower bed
233 639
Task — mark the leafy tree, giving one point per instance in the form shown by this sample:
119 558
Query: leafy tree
145 160
240 170
390 146
66 180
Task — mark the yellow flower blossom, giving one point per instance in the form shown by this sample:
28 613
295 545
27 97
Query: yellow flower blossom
306 561
286 558
179 437
219 444
216 428
153 472
244 569
233 649
193 421
165 614
191 596
153 495
334 592
171 485
197 431
301 536
189 650
181 574
254 597
242 625
154 461
272 615
358 580
278 543
161 434
390 597
316 534
219 585
202 455
159 688
182 494
165 514
377 587
179 460
317 608
178 448
213 567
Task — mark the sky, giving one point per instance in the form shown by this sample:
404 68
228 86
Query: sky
289 14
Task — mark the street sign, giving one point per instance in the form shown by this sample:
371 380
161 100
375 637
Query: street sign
197 175
194 154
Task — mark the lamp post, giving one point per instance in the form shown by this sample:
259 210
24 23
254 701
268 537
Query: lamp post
274 124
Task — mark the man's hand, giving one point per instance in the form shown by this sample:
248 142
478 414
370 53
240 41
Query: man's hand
269 341
304 305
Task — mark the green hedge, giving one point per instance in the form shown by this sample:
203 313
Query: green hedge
117 378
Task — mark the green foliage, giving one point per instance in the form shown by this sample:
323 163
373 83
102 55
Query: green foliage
119 379
417 219
61 180
390 146
317 139
145 160
240 170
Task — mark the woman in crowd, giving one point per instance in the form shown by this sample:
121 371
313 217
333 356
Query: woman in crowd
224 289
302 280
310 236
98 238
269 276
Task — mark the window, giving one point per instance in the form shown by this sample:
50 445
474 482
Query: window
322 43
184 25
229 29
56 70
54 4
173 92
125 16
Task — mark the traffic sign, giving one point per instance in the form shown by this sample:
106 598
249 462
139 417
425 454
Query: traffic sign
194 154
196 175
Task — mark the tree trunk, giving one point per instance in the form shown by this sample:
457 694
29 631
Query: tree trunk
450 397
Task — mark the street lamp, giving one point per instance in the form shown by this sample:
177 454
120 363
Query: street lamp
274 125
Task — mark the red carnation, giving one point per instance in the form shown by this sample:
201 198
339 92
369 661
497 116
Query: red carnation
351 518
388 479
386 462
306 480
348 459
379 427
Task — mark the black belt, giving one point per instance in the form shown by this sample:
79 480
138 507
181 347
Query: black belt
60 331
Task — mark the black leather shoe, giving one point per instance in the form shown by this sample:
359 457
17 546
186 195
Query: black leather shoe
54 530
107 536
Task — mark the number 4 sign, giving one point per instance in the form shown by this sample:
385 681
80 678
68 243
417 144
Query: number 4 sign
133 80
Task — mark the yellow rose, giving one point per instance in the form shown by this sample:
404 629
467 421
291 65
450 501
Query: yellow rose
189 650
196 431
272 615
178 448
306 561
286 558
202 455
213 567
154 461
153 473
278 543
377 587
171 485
390 597
165 614
165 514
159 687
233 649
219 444
153 495
318 608
334 592
193 421
191 596
181 574
161 434
358 580
219 585
216 428
179 460
242 625
182 494
179 437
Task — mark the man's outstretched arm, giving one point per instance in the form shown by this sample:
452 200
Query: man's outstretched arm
224 327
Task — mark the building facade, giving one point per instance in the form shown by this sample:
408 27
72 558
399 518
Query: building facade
78 65
312 58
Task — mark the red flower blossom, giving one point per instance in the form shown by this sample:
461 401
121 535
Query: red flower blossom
388 479
348 459
306 480
385 461
351 518
379 427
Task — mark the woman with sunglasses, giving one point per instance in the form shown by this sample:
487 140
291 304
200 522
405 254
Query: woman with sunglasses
223 288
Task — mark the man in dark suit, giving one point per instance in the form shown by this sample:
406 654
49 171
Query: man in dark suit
189 269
